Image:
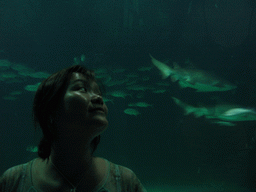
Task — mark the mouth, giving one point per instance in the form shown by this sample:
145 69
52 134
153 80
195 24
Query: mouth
97 110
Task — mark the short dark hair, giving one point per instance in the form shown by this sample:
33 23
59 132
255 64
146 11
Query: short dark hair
47 99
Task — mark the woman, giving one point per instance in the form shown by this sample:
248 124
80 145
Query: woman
70 110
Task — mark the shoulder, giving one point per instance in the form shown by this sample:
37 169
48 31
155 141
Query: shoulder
13 173
129 180
127 173
11 178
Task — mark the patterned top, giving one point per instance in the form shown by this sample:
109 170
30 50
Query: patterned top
117 179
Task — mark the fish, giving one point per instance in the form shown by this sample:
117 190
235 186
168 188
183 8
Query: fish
83 58
189 7
116 82
120 70
222 114
31 148
138 87
131 111
39 75
32 88
8 97
159 91
145 68
15 93
7 75
121 94
140 104
5 64
108 100
140 95
197 79
224 123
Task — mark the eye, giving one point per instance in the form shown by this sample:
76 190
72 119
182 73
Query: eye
100 94
84 89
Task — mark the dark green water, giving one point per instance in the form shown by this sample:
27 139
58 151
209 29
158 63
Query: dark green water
168 150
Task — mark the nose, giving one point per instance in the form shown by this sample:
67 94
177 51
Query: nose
96 98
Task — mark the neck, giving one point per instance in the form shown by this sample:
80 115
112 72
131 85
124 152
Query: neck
73 162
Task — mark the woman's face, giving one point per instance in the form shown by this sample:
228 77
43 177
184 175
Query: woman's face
83 109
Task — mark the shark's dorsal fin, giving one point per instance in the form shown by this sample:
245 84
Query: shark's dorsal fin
187 61
189 64
175 65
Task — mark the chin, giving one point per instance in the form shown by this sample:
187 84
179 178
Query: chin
100 129
100 124
101 121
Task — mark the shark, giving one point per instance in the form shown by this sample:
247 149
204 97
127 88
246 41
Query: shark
222 114
197 79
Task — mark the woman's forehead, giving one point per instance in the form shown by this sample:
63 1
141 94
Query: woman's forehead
81 77
76 76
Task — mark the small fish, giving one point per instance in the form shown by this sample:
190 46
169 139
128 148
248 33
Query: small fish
198 170
145 78
32 87
101 70
159 91
116 82
189 7
76 61
39 75
4 63
16 93
31 148
131 82
119 94
224 123
131 111
132 75
140 104
145 68
83 58
163 84
121 70
140 95
108 100
9 97
8 75
20 67
137 87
